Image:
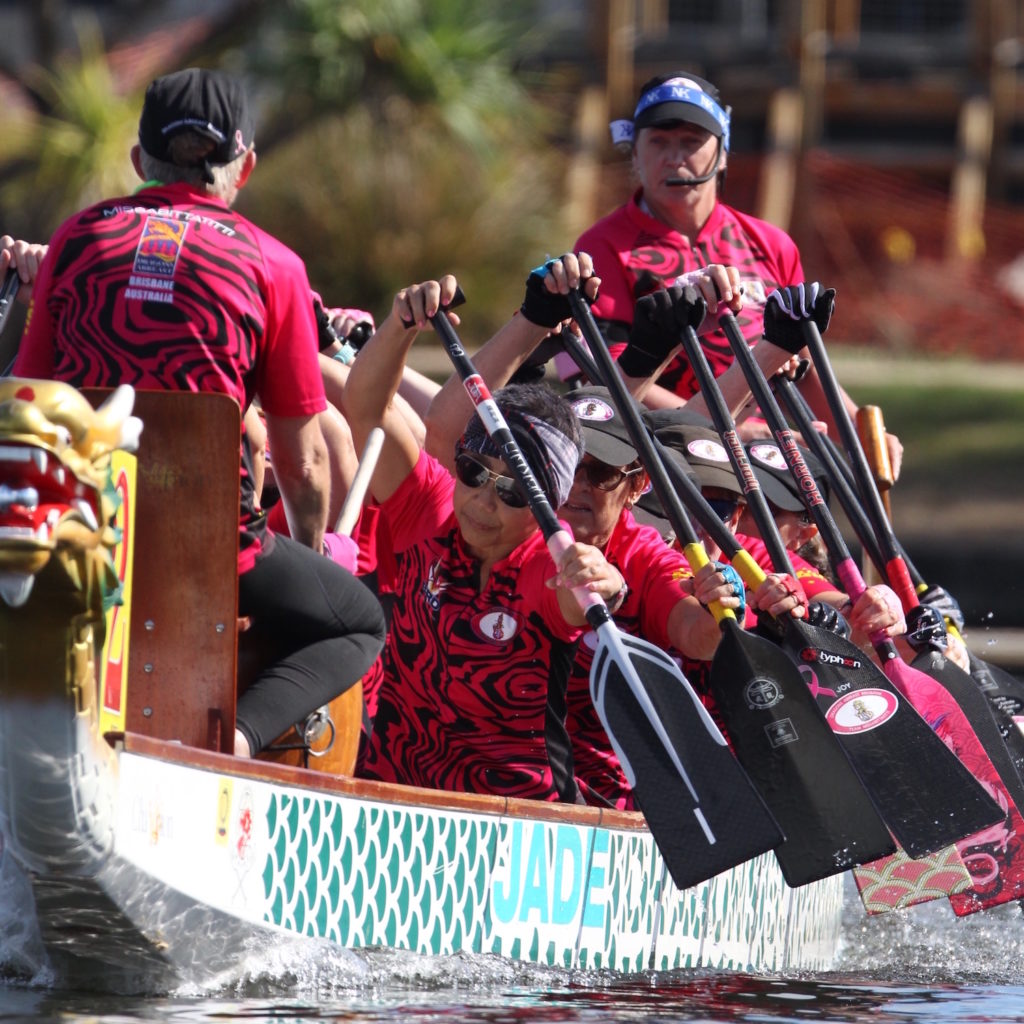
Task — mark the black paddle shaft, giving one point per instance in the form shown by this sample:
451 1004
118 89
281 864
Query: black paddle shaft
836 469
915 794
779 734
674 751
680 483
8 292
896 570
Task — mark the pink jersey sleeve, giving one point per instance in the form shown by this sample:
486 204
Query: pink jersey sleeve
289 382
421 504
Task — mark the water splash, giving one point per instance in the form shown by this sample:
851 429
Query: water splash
22 956
929 944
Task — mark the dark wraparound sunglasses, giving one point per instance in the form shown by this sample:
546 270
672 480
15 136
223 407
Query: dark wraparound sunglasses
603 476
475 474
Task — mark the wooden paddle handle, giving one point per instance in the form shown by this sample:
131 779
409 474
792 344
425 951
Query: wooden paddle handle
872 434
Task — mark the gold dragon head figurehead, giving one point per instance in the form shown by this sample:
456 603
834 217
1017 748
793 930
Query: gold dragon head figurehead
55 495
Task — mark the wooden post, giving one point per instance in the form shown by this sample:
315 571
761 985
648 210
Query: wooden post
779 170
965 237
584 176
619 69
813 48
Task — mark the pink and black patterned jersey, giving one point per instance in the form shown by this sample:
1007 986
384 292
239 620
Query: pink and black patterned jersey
473 693
170 289
810 578
635 253
652 571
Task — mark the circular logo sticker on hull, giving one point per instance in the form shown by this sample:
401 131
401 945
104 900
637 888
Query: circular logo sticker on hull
861 711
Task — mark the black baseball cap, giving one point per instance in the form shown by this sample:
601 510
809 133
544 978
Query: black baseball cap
605 436
704 453
776 480
210 102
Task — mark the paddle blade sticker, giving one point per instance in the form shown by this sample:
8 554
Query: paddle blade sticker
925 795
798 766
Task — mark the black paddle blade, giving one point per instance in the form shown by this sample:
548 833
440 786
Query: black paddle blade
1005 694
982 717
706 820
795 760
924 794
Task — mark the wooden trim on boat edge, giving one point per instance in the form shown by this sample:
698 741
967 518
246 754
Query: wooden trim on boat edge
386 792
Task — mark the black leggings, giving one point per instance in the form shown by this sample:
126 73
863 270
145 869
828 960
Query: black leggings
315 630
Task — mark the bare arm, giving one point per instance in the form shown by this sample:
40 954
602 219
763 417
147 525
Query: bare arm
495 361
302 475
335 376
500 357
256 431
374 379
343 459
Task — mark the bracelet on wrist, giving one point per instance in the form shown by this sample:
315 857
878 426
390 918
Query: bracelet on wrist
345 354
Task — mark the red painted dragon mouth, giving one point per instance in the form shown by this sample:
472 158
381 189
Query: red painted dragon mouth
41 502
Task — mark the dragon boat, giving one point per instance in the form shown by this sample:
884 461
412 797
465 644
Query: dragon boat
137 853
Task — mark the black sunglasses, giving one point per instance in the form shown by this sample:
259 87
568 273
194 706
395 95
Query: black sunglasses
605 477
723 507
475 474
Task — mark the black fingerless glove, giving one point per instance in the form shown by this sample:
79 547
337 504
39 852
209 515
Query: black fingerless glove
824 615
787 309
658 321
541 307
326 335
926 629
945 604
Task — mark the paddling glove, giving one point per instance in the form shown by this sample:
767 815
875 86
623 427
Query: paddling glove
787 309
544 308
738 588
658 321
926 628
945 604
824 615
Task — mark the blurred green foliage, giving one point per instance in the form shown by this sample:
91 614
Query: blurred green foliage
396 139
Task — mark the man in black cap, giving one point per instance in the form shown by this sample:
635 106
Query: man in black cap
171 289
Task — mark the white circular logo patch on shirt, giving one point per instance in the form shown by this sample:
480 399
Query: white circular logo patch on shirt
498 626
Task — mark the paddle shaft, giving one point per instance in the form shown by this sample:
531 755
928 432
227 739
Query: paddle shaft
896 569
726 427
609 374
8 292
838 472
656 462
353 503
557 537
843 563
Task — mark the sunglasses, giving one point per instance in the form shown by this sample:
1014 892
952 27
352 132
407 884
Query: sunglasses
723 507
475 474
604 477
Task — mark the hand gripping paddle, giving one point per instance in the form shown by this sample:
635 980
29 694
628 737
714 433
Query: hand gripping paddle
1004 693
997 856
930 798
703 811
780 736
